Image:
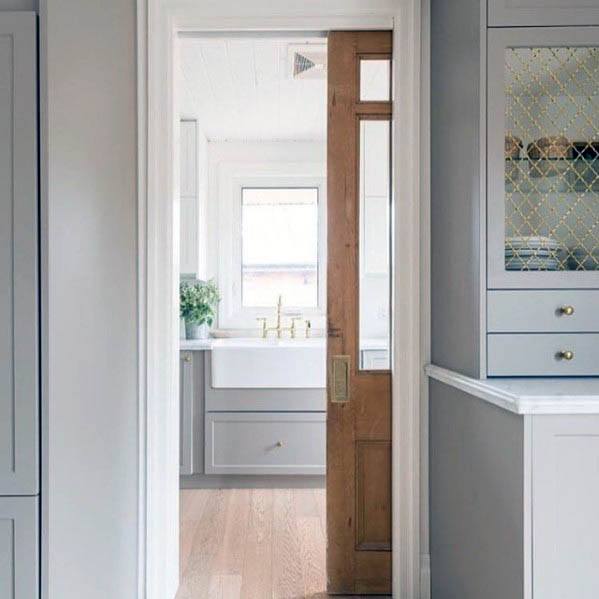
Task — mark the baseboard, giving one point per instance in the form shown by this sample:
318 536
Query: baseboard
425 576
232 481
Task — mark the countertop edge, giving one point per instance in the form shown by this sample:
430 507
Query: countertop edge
516 403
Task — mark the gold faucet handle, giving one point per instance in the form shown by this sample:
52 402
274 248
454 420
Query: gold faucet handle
293 321
263 327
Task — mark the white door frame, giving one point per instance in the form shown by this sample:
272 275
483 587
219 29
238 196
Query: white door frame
158 23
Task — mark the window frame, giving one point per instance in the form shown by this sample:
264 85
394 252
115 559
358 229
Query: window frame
232 313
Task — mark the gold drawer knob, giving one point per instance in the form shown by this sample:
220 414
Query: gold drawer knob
279 443
567 310
566 355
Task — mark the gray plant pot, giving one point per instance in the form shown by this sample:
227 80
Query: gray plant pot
193 330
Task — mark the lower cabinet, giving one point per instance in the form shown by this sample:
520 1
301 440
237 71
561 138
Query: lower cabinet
191 412
565 502
513 501
265 443
19 548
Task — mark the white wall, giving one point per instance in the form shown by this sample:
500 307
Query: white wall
92 445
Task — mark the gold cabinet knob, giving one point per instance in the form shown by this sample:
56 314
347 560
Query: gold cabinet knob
566 355
279 443
186 358
567 310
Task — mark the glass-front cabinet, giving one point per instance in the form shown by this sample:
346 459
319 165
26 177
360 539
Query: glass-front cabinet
543 158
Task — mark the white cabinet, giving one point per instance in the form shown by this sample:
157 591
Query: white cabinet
18 256
565 500
516 13
19 578
193 189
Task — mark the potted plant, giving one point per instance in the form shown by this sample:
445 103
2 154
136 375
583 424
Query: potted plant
198 301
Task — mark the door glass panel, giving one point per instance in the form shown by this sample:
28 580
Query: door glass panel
375 242
552 159
375 80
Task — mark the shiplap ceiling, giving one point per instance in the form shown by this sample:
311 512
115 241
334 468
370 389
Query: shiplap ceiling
243 89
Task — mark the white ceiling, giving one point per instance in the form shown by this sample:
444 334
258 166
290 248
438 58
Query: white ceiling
242 89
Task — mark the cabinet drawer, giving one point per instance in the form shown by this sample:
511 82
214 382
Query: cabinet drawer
517 13
267 443
543 311
539 355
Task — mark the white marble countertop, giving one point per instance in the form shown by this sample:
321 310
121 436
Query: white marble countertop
196 344
559 395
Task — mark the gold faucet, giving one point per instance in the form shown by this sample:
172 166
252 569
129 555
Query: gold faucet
278 329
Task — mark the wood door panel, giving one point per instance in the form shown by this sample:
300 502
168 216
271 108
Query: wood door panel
359 430
373 495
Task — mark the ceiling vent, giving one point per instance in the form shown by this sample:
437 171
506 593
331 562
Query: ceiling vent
308 61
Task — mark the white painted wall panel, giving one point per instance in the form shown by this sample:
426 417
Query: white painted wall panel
91 196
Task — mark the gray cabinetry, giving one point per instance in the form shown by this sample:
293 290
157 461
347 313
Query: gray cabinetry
565 491
516 13
265 443
543 158
191 412
19 548
18 257
513 501
19 310
515 186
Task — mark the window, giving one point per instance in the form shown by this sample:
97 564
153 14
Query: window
279 246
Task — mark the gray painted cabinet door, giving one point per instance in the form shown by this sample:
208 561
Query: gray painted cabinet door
516 13
18 256
18 548
565 498
543 196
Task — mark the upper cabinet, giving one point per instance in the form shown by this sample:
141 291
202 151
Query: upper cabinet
518 13
19 314
543 158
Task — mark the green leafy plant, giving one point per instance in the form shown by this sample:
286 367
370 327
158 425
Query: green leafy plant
198 301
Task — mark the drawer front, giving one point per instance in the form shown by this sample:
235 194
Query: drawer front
567 311
541 355
267 443
517 13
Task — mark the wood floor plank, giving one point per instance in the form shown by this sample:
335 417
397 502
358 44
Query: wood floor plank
208 537
257 580
312 555
321 505
253 544
231 556
287 568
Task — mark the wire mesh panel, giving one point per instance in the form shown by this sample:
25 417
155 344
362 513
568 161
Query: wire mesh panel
552 159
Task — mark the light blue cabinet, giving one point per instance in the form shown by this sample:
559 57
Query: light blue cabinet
19 384
19 309
19 547
516 13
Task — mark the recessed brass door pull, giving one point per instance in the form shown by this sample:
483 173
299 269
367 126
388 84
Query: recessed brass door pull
339 370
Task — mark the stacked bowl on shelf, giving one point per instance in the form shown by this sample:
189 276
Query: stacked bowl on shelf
533 253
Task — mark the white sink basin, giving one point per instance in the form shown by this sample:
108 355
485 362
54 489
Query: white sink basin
269 363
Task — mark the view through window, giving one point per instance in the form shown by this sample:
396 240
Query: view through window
279 249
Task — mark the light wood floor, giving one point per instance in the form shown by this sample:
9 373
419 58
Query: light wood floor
252 544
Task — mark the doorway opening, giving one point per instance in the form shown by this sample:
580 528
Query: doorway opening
282 148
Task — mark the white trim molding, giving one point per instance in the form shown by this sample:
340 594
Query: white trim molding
158 23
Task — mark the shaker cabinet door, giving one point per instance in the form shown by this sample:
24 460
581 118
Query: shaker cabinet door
543 158
18 256
19 548
505 13
565 492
